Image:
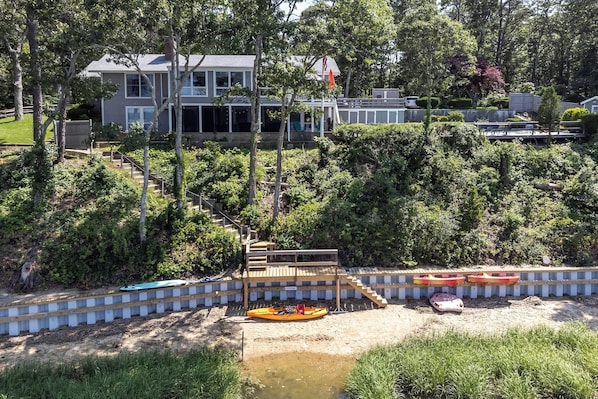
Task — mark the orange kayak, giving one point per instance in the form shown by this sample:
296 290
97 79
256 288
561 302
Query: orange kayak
438 280
495 278
288 313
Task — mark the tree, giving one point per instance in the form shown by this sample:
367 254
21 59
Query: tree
69 47
476 80
259 22
289 73
549 110
427 40
363 32
13 29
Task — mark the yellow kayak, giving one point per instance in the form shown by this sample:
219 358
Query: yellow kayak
288 313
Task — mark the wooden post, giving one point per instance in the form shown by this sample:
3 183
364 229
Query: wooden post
246 290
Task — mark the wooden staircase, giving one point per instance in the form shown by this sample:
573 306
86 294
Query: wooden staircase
256 263
367 291
157 186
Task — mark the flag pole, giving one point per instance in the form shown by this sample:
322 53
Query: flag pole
324 66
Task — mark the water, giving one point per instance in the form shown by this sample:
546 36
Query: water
299 375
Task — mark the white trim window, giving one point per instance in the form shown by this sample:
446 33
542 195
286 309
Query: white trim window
594 108
137 85
225 79
195 85
141 115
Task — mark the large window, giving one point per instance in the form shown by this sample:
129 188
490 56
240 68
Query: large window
195 85
241 119
214 119
190 118
137 85
226 79
141 115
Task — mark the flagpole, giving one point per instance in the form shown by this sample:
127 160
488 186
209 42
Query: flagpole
324 65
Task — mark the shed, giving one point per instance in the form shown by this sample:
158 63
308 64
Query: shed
591 104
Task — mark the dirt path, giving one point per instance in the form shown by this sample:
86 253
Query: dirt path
350 333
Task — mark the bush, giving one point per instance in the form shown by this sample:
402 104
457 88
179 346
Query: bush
501 102
462 102
574 114
423 102
440 118
78 113
456 116
590 124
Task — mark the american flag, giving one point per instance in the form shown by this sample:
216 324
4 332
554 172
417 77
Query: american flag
324 63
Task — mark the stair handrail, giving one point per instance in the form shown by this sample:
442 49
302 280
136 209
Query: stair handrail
251 234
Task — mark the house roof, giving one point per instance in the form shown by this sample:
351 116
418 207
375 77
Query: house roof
155 63
595 98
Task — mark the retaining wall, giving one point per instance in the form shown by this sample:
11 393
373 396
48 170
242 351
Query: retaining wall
22 316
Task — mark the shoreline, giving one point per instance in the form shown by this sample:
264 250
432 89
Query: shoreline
344 334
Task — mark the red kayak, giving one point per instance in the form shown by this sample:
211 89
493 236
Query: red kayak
438 280
494 278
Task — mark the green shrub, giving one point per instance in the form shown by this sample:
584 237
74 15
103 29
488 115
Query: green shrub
133 139
440 118
574 114
456 116
590 124
423 102
501 102
460 103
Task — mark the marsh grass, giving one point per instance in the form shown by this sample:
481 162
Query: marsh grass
520 364
201 373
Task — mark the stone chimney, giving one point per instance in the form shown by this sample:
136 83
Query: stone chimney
168 48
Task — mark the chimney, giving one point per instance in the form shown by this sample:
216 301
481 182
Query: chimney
168 48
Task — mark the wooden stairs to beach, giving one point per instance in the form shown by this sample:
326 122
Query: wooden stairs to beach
157 186
256 263
367 291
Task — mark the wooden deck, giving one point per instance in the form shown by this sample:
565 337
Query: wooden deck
291 268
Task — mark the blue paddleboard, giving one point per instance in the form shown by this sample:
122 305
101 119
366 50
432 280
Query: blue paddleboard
153 284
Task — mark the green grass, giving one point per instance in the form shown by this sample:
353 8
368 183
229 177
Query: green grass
19 132
201 373
520 364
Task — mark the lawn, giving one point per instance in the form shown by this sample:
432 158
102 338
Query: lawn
20 132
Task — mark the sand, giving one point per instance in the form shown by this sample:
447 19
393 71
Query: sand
350 333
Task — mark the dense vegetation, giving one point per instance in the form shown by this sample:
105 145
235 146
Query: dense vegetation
200 373
539 363
385 196
86 230
389 196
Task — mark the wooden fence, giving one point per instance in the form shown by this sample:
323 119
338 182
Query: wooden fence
10 113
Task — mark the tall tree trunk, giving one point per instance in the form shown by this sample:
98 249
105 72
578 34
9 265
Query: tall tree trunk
40 178
178 140
17 75
284 111
255 117
36 74
60 132
348 82
502 27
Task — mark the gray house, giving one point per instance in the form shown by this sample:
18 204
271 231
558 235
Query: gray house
203 118
591 104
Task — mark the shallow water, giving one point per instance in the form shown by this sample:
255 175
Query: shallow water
299 375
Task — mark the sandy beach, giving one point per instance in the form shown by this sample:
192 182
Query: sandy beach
348 333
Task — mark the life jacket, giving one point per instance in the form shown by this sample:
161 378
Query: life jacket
300 308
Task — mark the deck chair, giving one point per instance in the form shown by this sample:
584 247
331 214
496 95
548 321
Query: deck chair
296 127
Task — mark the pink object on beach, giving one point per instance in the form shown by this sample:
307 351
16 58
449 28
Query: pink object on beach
446 302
